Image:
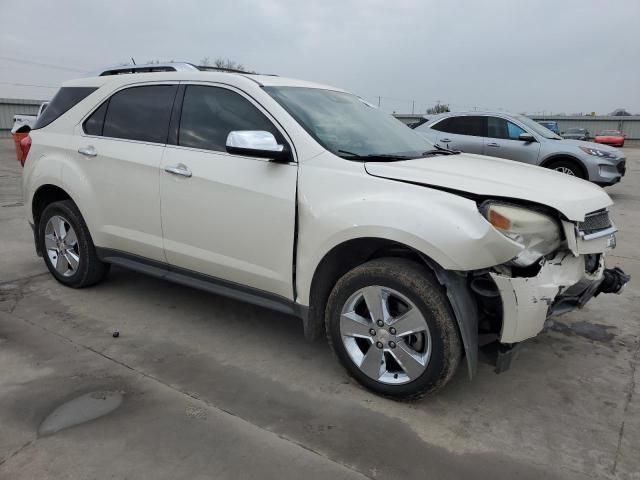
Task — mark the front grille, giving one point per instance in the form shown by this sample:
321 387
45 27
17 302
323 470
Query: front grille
622 167
594 222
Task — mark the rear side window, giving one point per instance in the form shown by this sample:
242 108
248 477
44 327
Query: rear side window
464 125
138 113
66 98
95 123
210 113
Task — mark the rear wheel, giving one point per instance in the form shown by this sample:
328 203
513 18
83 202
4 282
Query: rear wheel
568 167
68 250
390 325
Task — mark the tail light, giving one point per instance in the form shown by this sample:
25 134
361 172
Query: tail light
25 146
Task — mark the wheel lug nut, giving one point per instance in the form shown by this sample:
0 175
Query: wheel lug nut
379 344
372 332
392 331
392 344
380 323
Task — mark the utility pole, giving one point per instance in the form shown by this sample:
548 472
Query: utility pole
378 101
413 106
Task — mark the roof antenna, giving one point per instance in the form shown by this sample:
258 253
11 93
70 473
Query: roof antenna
133 61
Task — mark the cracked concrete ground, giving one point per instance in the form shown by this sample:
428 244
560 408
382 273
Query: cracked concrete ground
214 388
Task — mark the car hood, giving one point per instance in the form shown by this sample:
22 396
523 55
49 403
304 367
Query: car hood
495 177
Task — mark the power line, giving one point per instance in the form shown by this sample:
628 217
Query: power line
27 85
40 64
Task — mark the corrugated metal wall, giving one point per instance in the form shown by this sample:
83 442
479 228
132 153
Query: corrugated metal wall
629 125
12 106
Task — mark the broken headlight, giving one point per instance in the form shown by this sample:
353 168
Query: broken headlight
537 233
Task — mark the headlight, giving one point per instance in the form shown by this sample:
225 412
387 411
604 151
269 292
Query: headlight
539 234
597 152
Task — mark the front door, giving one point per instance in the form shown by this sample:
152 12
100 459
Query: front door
503 141
227 216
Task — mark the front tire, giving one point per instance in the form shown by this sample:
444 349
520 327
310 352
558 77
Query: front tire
67 247
567 167
391 326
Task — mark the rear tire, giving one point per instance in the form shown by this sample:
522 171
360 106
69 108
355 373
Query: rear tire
415 349
67 247
568 167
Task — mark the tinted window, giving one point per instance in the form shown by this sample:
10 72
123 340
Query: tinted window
66 98
210 113
501 128
464 125
140 113
93 125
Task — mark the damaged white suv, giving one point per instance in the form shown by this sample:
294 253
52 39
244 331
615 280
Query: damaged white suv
305 199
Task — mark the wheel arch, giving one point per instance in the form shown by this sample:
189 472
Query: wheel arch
349 254
563 156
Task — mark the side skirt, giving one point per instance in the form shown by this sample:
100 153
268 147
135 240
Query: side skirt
203 282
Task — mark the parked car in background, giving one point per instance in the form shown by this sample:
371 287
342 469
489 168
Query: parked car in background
22 122
516 137
611 137
576 134
553 126
308 200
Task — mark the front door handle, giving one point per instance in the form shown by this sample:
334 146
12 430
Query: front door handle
179 169
492 144
88 151
445 140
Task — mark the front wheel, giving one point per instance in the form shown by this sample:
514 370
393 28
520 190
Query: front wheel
390 324
567 167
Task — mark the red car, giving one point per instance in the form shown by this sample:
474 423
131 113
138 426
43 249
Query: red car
615 138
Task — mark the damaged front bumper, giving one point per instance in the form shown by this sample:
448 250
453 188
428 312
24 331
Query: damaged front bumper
565 282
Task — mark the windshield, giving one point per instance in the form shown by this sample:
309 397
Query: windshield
348 126
610 132
536 127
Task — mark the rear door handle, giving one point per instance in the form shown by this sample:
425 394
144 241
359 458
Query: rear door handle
179 169
492 144
88 151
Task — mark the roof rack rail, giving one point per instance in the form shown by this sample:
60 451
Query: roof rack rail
166 67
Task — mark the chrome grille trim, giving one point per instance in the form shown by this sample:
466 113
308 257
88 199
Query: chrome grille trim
595 222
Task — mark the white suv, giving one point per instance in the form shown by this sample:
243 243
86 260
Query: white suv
306 199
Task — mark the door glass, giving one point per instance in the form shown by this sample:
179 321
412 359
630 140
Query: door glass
504 129
94 124
140 113
463 125
210 113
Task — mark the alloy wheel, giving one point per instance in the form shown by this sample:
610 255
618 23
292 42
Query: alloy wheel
385 335
566 171
61 244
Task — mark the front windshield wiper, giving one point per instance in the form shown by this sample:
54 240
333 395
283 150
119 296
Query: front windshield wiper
439 150
384 157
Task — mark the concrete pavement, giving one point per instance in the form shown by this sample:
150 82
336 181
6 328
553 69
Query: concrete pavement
214 388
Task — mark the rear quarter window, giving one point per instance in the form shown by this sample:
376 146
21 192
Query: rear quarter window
64 100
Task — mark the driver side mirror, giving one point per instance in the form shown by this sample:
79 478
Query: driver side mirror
526 137
257 143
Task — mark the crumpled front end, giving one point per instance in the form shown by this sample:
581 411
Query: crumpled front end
568 280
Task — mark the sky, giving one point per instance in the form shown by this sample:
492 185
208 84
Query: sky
534 56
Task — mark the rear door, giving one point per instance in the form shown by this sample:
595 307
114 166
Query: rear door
119 147
464 132
503 141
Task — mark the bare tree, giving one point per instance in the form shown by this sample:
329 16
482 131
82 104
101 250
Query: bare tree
438 108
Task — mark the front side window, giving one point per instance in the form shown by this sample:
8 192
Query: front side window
210 113
346 125
504 129
137 113
66 98
462 125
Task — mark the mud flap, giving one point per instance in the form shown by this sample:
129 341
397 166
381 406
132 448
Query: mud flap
465 310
